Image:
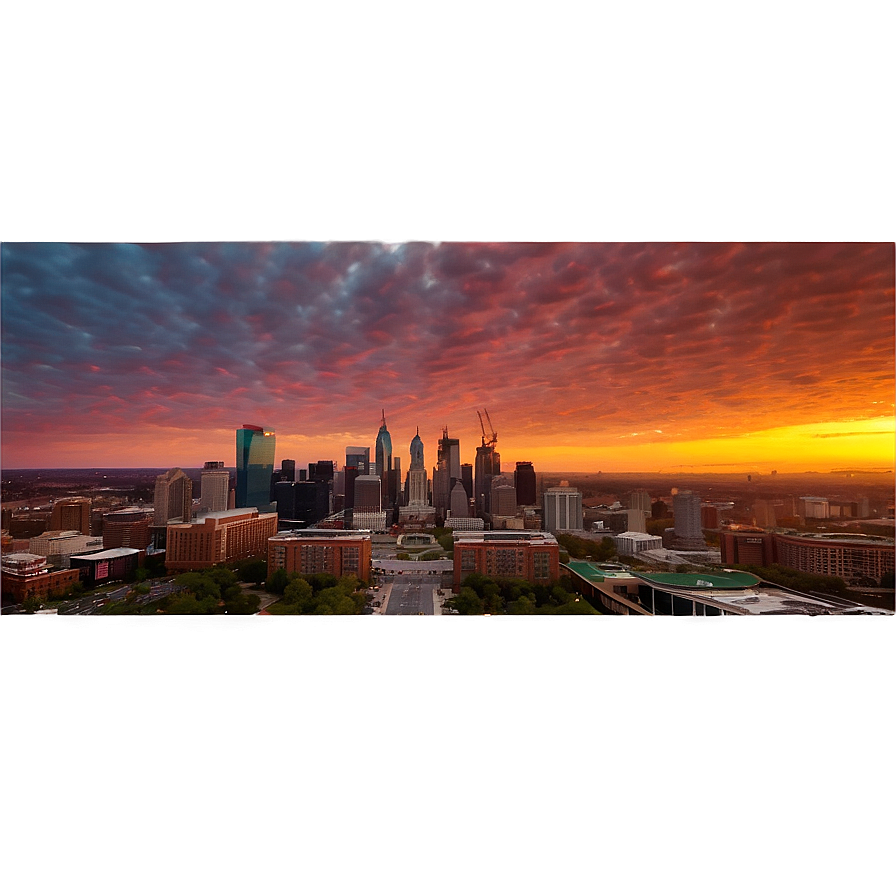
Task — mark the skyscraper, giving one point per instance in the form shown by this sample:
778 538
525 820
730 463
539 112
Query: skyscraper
460 503
254 467
384 460
214 487
488 464
417 490
358 458
524 480
562 509
173 499
71 514
449 451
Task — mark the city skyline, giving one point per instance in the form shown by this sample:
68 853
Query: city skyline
588 356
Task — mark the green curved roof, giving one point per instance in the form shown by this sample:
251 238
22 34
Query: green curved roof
702 580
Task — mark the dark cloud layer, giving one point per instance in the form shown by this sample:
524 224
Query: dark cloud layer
561 341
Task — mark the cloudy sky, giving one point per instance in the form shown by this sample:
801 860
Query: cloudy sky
587 356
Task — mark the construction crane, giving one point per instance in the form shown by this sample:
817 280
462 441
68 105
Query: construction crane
489 441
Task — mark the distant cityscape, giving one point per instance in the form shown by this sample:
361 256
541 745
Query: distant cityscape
413 541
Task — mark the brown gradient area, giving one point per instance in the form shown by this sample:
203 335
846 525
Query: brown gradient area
281 756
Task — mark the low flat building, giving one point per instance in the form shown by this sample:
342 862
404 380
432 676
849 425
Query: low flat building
523 554
340 552
224 536
615 589
59 546
26 575
113 565
631 543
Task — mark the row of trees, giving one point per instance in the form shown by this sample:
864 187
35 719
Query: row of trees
212 591
480 594
799 581
579 548
317 594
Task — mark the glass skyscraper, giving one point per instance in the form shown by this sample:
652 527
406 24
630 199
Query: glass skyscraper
254 467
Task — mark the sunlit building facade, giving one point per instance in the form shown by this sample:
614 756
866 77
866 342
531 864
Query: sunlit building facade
254 467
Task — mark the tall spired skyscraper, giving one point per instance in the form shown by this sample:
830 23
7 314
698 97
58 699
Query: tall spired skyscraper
384 460
417 496
254 467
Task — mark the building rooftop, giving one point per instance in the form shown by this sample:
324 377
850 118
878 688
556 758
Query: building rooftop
700 581
598 572
111 554
290 534
528 535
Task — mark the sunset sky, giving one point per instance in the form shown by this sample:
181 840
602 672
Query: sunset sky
588 356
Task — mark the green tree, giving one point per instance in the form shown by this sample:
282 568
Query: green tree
254 570
300 594
277 581
523 605
578 606
467 602
31 604
199 585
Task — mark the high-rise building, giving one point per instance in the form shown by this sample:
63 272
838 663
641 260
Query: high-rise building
287 471
254 467
449 451
173 500
764 514
686 512
71 514
562 509
214 487
351 474
524 480
503 498
417 479
358 458
368 494
322 471
460 503
384 459
639 499
466 477
488 464
128 528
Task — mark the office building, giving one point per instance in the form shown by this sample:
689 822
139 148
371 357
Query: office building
71 514
254 467
58 547
503 498
855 558
687 532
524 481
639 499
173 501
562 509
533 556
384 461
127 528
287 470
368 494
747 546
358 458
764 514
630 543
214 487
811 507
338 552
460 503
222 537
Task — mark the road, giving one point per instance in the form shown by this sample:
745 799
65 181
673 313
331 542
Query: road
411 596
